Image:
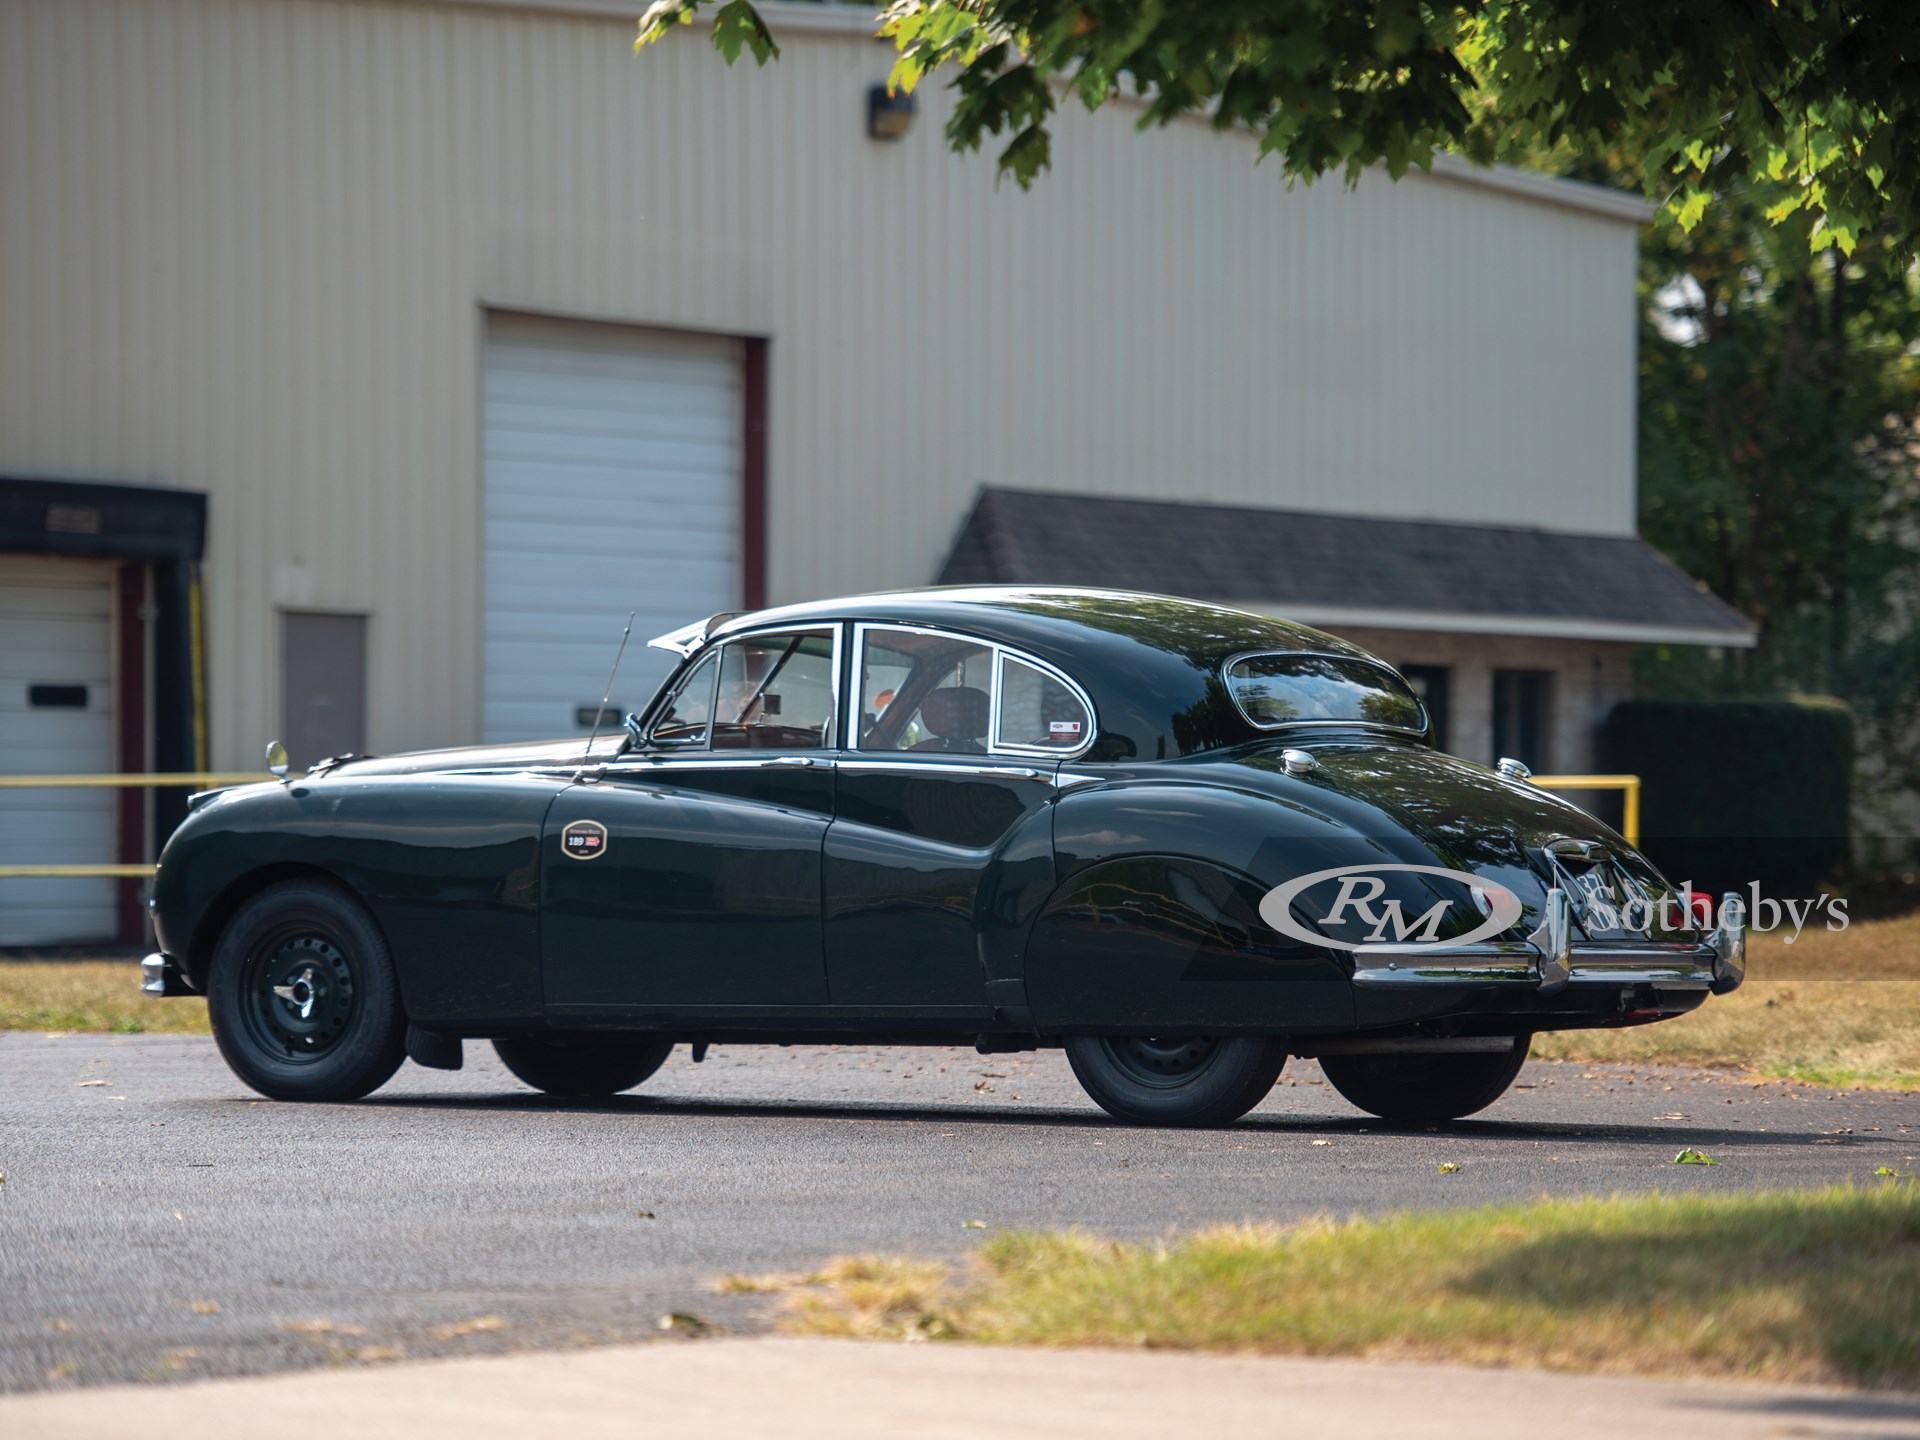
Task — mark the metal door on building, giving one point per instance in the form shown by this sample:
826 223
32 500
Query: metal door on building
56 717
612 460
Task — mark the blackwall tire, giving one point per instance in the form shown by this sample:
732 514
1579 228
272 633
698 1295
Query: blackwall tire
302 996
1184 1080
583 1064
1425 1089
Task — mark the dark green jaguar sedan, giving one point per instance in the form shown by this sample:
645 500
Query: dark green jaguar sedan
1180 841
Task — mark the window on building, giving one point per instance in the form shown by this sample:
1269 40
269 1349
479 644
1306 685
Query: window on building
323 685
1429 682
1520 714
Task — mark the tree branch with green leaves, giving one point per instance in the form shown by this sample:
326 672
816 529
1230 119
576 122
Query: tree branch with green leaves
1811 106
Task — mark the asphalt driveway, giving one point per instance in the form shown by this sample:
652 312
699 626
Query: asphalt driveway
158 1221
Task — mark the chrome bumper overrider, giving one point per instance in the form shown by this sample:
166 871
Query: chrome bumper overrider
1548 960
163 979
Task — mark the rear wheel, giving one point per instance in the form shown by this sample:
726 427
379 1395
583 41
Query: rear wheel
1423 1089
302 997
582 1064
1178 1079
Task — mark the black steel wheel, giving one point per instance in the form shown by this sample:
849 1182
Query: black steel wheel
1177 1079
302 995
1425 1089
582 1064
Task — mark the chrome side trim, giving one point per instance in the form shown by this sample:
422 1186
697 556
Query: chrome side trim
648 767
929 767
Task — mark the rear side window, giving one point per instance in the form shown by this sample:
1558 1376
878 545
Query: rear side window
1293 689
924 689
1037 711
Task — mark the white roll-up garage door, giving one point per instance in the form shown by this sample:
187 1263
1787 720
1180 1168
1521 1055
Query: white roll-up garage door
56 718
612 463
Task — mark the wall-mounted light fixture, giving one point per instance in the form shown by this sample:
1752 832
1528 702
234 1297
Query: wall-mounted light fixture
889 116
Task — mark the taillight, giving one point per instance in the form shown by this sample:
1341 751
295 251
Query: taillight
1694 906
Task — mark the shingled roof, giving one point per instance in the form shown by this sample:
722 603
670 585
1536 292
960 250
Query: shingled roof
1352 570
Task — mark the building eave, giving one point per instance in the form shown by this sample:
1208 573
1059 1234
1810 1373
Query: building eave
1620 632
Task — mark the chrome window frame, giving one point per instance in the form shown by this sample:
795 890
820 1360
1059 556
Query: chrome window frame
828 741
1226 679
995 746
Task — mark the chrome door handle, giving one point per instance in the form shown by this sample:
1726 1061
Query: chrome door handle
796 762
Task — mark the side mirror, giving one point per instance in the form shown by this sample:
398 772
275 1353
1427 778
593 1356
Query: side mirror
277 761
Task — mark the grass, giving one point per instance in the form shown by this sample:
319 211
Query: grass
1834 1008
1837 1009
97 995
1811 1286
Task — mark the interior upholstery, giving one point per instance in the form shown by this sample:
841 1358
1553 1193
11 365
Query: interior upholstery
957 717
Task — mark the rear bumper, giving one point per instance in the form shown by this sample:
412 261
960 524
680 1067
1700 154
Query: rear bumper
1549 961
161 978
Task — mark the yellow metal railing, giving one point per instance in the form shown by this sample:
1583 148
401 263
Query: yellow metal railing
1627 785
179 780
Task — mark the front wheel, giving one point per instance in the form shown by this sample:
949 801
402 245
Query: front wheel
1425 1089
302 996
1175 1080
581 1064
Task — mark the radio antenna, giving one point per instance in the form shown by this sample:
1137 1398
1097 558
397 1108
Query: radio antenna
601 713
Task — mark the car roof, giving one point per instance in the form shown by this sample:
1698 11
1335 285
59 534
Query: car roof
1150 663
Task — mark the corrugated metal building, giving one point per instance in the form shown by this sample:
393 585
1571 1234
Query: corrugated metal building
447 333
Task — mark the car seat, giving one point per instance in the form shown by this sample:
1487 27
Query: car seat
957 716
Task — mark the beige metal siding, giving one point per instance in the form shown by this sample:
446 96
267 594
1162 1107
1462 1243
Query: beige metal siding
245 247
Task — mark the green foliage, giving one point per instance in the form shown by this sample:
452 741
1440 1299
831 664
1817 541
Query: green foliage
1807 103
1737 791
737 26
1779 462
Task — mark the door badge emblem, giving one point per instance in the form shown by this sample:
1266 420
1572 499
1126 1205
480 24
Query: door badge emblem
583 839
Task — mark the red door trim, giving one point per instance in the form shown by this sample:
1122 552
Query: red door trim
753 478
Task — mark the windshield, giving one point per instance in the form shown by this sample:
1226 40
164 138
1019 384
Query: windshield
1274 690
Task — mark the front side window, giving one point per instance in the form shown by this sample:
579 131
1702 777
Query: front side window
776 692
688 714
1291 689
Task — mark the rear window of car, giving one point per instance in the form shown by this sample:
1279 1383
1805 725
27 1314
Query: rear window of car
1294 689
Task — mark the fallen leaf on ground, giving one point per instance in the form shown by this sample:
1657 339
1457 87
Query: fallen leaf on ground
980 1085
320 1327
1889 1172
84 1084
474 1326
61 1327
1691 1156
973 1224
645 1215
1323 1142
1449 1167
205 1307
681 1321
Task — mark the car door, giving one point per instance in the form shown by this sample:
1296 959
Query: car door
938 838
687 876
